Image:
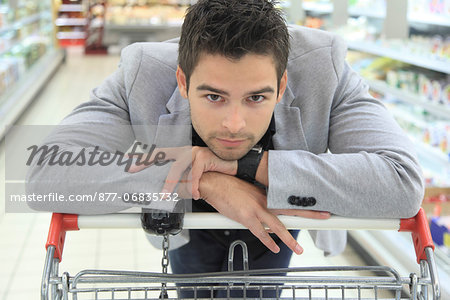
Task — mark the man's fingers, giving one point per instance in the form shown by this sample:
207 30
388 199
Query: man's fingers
189 184
259 231
311 214
280 230
196 174
172 179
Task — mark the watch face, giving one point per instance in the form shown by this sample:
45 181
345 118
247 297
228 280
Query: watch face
258 148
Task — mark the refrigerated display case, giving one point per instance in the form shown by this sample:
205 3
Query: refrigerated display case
128 21
28 56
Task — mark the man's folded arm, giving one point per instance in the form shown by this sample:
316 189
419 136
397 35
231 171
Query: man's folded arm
370 169
101 125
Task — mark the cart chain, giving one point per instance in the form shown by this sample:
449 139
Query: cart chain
165 258
164 264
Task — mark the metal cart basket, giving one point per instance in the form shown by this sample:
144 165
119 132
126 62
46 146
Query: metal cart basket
376 282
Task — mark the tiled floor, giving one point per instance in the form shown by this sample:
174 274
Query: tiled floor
22 236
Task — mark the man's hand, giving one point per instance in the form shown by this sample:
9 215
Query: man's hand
247 204
201 161
204 160
198 159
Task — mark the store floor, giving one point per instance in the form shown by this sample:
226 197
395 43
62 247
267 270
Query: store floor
23 236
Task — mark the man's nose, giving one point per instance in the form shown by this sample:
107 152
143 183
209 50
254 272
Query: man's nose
234 121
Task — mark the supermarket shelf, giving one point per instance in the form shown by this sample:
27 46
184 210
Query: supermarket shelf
353 11
439 158
396 250
140 28
327 8
320 8
16 99
401 114
25 21
432 154
10 47
429 19
71 8
71 22
71 35
405 96
432 64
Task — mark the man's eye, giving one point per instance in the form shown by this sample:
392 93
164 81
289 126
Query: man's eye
256 98
214 98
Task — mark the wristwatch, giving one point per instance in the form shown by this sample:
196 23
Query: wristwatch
248 164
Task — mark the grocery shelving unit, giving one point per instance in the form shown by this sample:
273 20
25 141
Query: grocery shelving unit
318 8
382 87
417 60
127 22
383 247
95 27
70 23
15 101
393 48
28 56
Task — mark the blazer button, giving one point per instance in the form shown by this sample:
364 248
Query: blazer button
304 201
311 201
292 200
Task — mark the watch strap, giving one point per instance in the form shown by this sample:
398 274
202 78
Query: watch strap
248 165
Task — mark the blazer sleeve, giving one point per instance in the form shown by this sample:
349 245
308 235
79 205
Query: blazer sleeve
369 170
102 124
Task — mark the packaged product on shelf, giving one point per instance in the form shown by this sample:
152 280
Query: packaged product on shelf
3 68
440 232
436 89
436 6
368 6
430 86
446 94
9 72
425 88
3 16
124 13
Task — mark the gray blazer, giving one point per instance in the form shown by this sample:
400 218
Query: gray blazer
334 142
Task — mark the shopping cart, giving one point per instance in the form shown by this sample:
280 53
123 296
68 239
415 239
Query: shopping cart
377 282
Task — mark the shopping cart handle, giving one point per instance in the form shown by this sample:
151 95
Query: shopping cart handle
420 231
59 224
417 225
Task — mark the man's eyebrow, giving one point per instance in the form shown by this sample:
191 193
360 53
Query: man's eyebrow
205 87
266 89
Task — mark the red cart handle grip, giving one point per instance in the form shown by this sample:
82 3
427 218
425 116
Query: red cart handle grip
420 231
57 233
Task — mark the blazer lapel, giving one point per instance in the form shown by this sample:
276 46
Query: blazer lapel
290 135
178 111
174 128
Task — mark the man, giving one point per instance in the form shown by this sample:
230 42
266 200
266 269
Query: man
274 132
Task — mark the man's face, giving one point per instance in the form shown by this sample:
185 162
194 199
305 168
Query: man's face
232 101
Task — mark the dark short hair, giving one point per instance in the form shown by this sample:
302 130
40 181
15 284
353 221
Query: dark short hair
233 28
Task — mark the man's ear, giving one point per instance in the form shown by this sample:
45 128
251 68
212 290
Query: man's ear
283 85
181 80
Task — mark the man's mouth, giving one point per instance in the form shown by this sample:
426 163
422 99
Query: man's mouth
231 142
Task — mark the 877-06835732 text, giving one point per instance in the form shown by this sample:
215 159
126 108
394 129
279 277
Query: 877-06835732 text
141 198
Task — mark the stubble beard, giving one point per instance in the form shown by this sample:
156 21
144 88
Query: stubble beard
228 154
